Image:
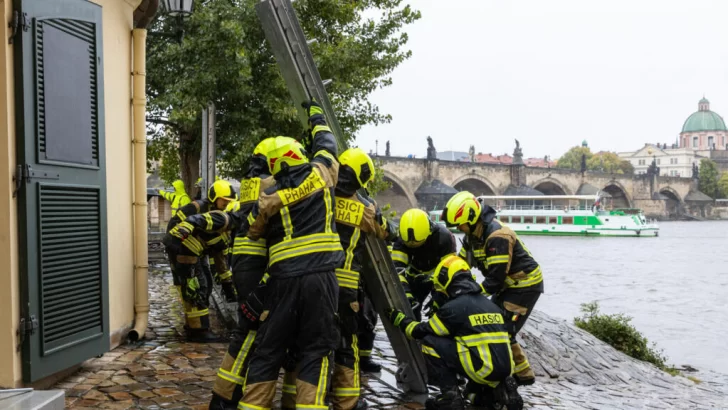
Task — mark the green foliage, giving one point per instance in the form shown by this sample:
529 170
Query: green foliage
572 158
224 58
617 331
723 185
378 184
708 178
609 162
601 161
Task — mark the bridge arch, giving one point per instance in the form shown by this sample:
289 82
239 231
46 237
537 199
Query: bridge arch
399 196
475 184
551 186
620 197
672 204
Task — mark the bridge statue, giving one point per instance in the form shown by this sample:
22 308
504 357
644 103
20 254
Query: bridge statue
518 154
471 153
696 172
386 150
431 151
583 163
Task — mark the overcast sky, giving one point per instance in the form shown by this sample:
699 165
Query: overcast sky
552 73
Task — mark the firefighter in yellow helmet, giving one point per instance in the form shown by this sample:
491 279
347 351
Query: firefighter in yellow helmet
420 247
296 219
467 335
356 215
185 246
178 198
511 273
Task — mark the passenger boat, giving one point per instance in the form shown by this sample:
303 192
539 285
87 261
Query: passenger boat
564 215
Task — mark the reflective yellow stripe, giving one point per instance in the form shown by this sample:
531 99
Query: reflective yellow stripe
350 249
355 348
246 246
246 406
181 215
305 250
521 367
429 351
327 154
303 241
194 245
533 278
492 260
289 389
329 209
318 129
321 388
224 275
346 392
287 223
398 256
226 375
410 328
208 218
463 253
437 326
363 353
310 406
197 313
251 218
243 353
485 338
347 278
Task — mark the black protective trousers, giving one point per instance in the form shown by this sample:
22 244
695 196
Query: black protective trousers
301 309
228 388
186 268
367 318
517 304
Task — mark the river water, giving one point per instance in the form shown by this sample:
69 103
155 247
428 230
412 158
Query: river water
675 286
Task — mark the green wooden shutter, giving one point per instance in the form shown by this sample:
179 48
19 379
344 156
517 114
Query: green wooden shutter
62 194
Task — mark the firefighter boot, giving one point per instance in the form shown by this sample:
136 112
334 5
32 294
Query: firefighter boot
361 404
218 403
367 365
448 400
514 401
522 372
203 336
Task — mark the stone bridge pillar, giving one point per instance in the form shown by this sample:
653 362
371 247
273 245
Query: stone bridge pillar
433 169
518 174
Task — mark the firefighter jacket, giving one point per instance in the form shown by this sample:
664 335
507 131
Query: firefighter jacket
504 260
296 215
178 198
424 259
356 215
249 257
476 324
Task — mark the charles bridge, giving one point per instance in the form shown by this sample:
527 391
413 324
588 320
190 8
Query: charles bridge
429 182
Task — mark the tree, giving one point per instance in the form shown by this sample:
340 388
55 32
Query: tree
224 58
378 184
572 158
708 178
723 185
609 162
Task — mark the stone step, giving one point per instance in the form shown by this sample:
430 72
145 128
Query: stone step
32 400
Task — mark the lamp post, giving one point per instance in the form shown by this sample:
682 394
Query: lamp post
179 10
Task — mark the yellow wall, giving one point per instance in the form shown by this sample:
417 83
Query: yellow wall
117 26
9 359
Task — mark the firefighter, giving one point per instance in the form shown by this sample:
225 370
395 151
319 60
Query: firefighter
247 259
296 219
185 246
467 336
356 216
420 247
178 198
511 273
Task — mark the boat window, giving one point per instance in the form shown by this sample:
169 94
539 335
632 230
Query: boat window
515 219
567 220
527 219
553 219
540 219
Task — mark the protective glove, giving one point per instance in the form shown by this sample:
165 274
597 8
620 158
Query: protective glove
191 291
395 316
229 291
182 230
315 113
252 307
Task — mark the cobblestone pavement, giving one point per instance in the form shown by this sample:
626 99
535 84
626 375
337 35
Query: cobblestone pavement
575 371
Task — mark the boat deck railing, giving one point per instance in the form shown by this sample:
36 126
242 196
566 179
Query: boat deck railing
544 208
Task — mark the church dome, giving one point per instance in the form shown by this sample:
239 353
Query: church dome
704 119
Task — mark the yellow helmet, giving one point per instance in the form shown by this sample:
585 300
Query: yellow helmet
462 208
221 189
285 150
360 163
414 227
446 270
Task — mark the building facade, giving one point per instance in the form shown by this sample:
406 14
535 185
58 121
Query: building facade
72 114
704 130
674 162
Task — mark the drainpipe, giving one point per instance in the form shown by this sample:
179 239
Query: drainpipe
139 142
